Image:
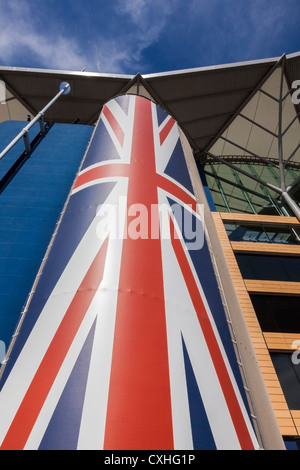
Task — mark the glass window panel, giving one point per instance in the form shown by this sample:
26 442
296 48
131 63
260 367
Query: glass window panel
262 233
277 313
280 235
245 194
230 228
289 378
269 268
292 444
245 233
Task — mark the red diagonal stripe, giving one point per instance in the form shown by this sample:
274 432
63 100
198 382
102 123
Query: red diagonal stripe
176 191
42 382
102 171
114 125
213 346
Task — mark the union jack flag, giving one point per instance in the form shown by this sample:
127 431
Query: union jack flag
125 344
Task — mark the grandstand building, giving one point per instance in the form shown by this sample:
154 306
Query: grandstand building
167 324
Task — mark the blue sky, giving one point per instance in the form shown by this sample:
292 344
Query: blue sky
145 36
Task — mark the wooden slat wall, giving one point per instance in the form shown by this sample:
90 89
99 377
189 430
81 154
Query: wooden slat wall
266 248
288 420
269 287
270 219
282 341
296 417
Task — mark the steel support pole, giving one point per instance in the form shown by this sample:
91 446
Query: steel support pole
292 204
246 173
284 195
280 140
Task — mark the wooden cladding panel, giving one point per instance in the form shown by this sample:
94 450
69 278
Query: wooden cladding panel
282 341
266 248
296 418
272 287
268 219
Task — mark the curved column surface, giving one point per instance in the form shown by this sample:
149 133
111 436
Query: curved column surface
125 343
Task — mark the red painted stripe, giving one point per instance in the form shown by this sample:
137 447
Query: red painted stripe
42 382
139 403
166 130
176 190
213 346
114 125
123 170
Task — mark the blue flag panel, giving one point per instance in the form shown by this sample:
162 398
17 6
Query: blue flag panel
30 206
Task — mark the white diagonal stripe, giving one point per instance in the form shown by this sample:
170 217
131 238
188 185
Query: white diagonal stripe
48 322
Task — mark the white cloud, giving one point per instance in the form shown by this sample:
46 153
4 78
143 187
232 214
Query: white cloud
138 24
113 36
145 20
19 36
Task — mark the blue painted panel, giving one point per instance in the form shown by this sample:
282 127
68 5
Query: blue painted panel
201 431
30 207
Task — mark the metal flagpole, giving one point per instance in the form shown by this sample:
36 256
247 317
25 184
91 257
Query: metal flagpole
65 88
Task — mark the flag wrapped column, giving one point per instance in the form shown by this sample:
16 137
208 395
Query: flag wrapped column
125 343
